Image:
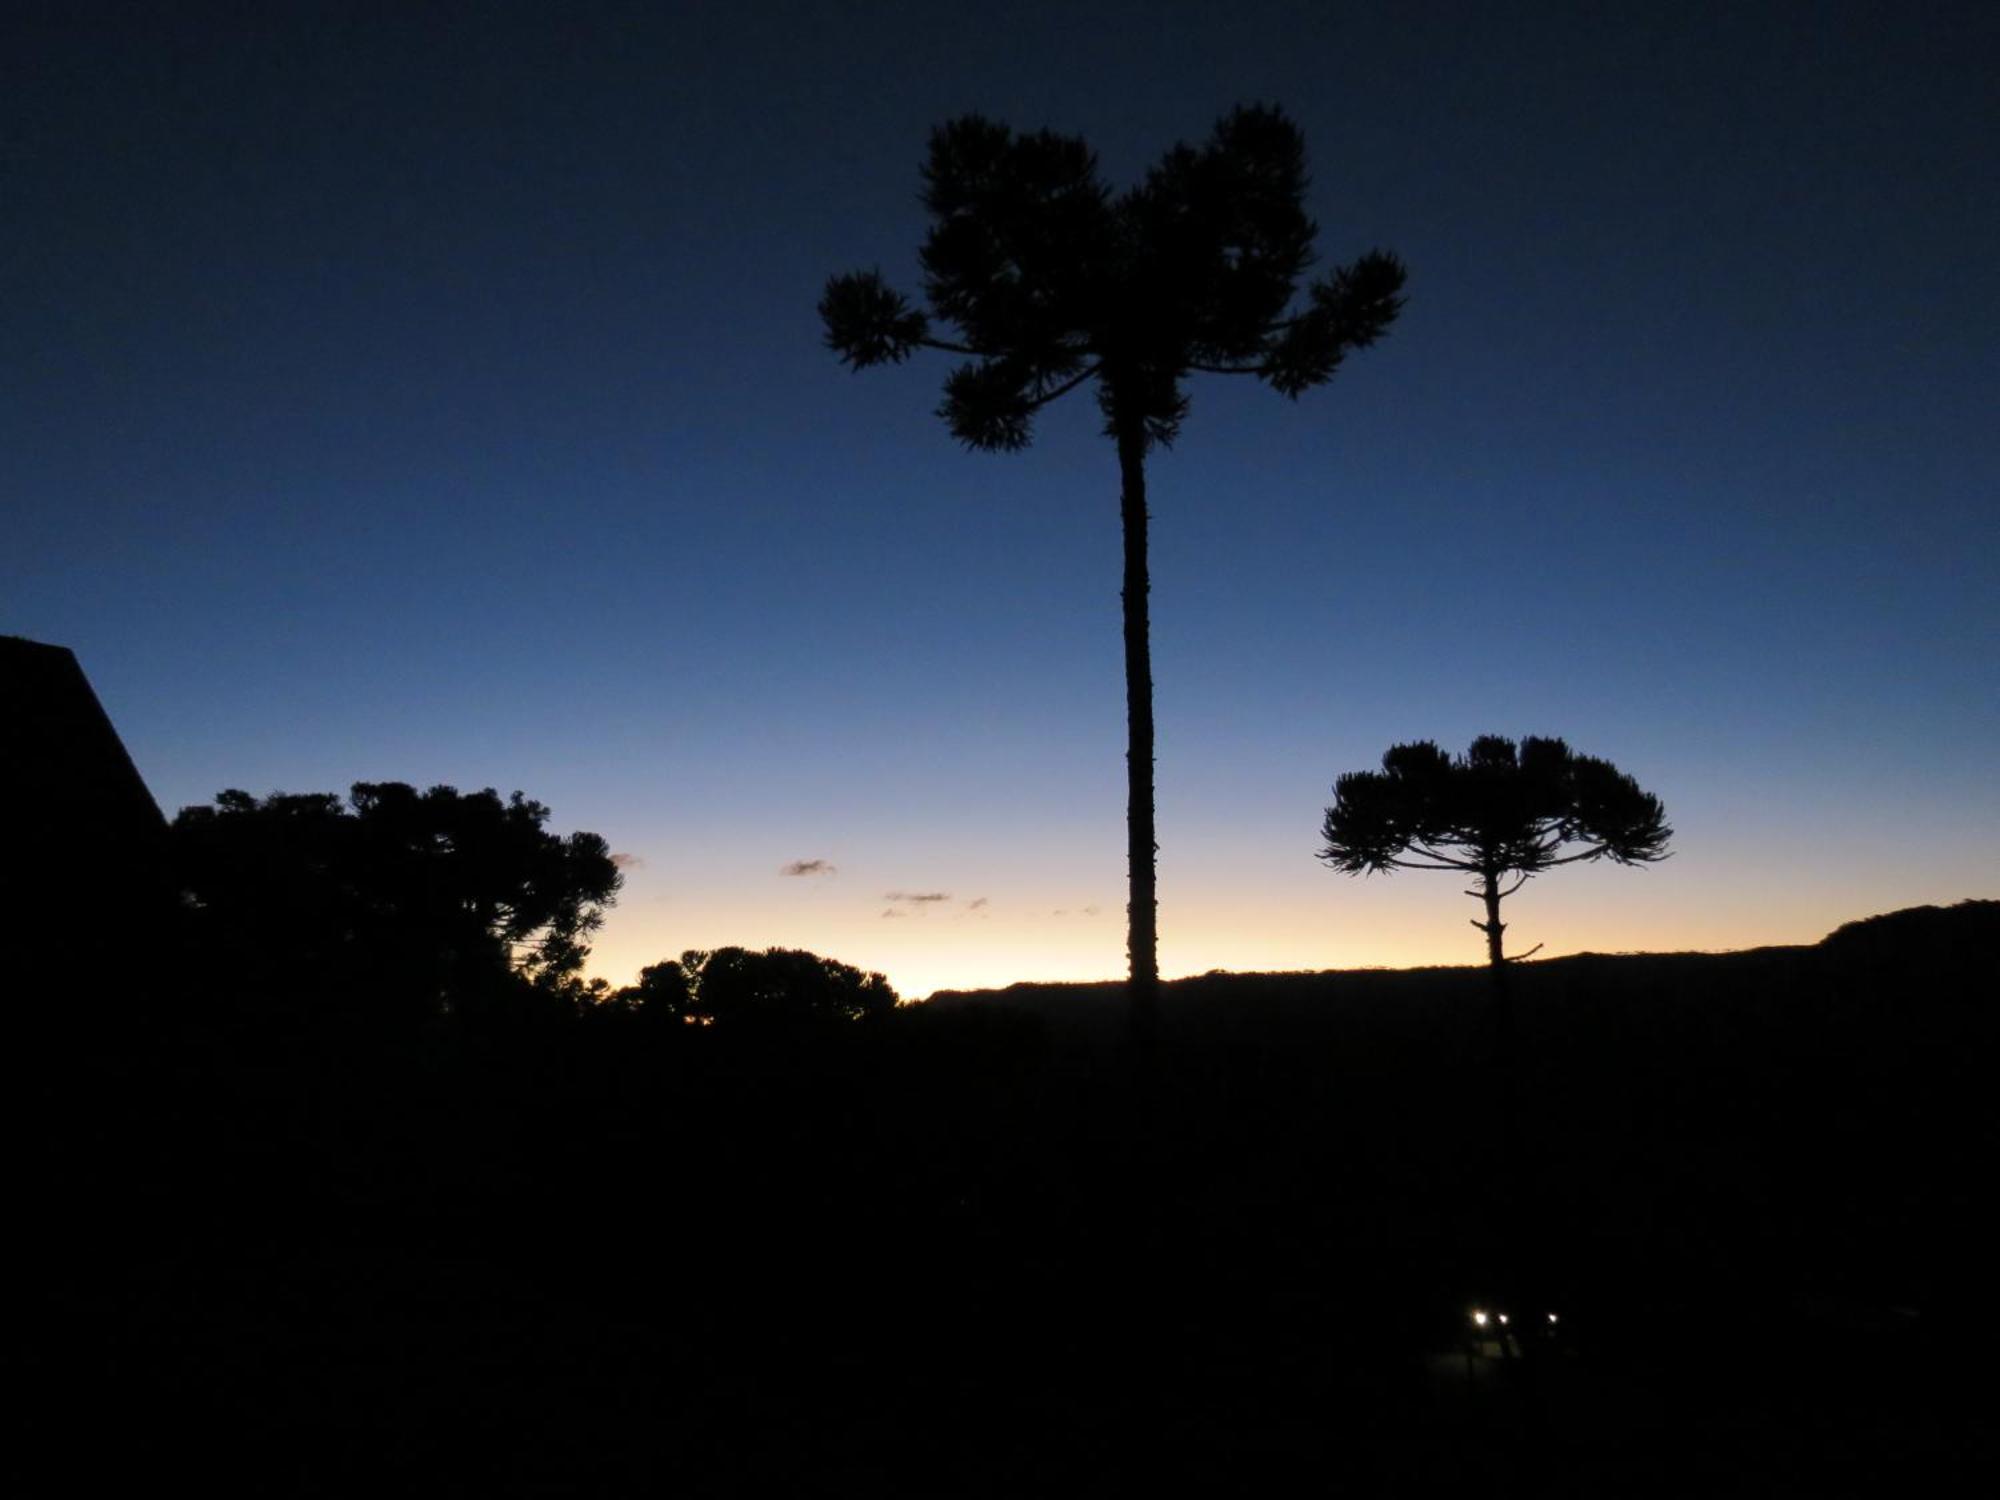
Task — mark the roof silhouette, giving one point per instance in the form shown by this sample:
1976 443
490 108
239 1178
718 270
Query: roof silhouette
85 894
60 757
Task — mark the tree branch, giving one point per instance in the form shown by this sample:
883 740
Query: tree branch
1064 389
1570 859
1231 369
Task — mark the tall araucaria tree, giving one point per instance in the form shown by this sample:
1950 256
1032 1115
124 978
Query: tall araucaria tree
1048 281
1496 813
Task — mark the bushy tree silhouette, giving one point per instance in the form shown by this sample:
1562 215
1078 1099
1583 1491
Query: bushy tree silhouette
398 901
740 988
782 986
1051 281
663 993
1496 812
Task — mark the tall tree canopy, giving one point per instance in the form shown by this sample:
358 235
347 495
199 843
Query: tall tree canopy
1048 280
1498 811
396 901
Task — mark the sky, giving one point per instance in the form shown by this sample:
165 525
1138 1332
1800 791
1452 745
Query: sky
435 394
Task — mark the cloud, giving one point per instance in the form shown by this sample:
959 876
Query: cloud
916 898
977 903
1090 911
629 861
808 867
892 912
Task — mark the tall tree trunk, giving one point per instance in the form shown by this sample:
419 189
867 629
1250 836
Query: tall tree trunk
1142 912
1511 1270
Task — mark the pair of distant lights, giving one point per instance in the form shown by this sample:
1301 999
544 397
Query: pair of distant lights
1481 1318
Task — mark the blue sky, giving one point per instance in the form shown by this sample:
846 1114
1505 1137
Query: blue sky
435 394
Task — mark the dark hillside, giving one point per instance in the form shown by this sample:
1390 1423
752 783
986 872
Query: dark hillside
1776 1153
1834 1098
968 1249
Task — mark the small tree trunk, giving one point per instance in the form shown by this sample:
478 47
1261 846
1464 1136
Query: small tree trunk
1492 926
1503 1009
1142 912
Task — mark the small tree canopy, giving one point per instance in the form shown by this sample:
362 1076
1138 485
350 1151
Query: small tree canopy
783 985
739 988
1498 810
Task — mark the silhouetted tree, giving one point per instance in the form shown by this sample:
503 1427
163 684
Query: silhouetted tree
780 986
663 993
1493 812
1496 812
1051 281
417 903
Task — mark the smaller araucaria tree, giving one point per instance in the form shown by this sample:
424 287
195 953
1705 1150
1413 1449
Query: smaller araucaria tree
1497 812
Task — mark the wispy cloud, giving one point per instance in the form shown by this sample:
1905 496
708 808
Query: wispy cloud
808 867
629 861
977 903
916 898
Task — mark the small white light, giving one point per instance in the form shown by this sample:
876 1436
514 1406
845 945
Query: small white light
1480 1319
1503 1320
1552 1317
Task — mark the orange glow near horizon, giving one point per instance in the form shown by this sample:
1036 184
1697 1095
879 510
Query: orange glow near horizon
1393 925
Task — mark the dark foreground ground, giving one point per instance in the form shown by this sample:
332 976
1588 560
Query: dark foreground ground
975 1251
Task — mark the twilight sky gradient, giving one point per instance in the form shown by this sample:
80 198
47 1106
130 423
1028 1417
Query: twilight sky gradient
434 393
